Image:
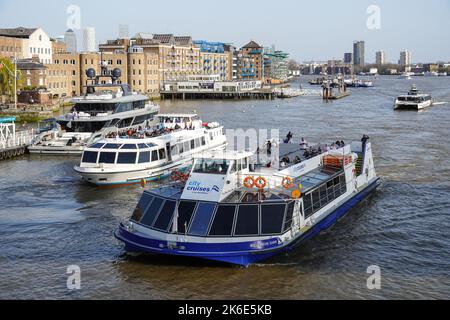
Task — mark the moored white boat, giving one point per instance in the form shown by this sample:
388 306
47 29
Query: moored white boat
234 211
103 108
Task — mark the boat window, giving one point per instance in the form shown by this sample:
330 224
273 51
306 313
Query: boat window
247 221
233 167
142 146
107 157
187 146
144 202
125 123
202 218
124 107
307 204
272 216
316 200
203 141
185 212
245 164
239 164
181 148
323 196
127 158
89 157
97 146
289 215
155 155
197 143
212 166
223 221
129 147
139 120
162 154
165 216
250 197
152 211
112 146
192 144
174 150
144 157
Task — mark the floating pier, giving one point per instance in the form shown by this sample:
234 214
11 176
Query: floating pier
188 95
338 85
12 143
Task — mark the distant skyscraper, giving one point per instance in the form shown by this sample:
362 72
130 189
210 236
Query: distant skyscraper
380 57
70 39
89 44
358 53
405 58
124 31
348 57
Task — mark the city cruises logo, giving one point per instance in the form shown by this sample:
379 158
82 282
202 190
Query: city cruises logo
196 187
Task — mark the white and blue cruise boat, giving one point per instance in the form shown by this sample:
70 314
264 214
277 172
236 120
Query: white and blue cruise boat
232 210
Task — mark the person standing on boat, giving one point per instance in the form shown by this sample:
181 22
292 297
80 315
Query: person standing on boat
364 140
269 147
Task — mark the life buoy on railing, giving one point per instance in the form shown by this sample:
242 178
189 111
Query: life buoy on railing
287 183
249 182
260 182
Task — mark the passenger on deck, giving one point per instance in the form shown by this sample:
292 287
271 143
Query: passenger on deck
342 144
326 148
297 160
269 147
364 140
306 154
303 143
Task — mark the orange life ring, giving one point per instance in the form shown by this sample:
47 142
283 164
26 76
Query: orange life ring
260 183
249 182
287 183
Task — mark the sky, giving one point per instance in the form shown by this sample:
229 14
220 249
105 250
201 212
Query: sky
308 30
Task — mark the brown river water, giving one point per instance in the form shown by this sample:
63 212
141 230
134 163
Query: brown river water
50 219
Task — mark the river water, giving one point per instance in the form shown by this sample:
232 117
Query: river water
49 219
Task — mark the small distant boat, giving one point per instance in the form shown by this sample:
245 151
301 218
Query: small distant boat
431 74
442 74
414 100
358 83
406 76
317 81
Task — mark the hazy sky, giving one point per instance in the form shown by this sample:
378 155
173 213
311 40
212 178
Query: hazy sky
318 29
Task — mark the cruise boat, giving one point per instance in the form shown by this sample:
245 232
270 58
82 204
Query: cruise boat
233 210
150 154
104 107
406 75
414 100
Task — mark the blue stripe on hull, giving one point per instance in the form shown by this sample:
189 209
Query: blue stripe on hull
242 253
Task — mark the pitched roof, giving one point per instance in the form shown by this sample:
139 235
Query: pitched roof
252 45
19 32
29 64
164 38
184 40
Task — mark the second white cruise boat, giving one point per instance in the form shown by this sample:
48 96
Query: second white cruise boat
150 154
414 100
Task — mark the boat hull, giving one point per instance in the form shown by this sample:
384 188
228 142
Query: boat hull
242 253
415 106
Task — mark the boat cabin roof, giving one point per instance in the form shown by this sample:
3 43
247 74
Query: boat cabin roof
224 155
177 115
